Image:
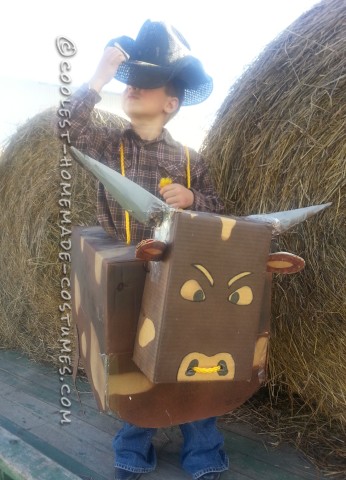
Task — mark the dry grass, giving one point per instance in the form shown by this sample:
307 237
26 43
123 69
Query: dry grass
278 142
282 419
30 269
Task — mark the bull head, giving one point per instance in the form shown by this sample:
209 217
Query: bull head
205 304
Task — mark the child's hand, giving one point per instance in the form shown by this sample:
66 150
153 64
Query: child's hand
177 196
106 69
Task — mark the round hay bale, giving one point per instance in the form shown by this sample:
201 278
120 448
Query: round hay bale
31 272
277 143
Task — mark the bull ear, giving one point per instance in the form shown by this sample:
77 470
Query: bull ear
283 262
151 249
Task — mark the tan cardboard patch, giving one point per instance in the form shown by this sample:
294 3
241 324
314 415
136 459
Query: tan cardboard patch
77 296
97 366
83 345
260 352
147 333
128 383
227 227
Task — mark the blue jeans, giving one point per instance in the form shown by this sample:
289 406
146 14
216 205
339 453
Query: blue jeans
201 453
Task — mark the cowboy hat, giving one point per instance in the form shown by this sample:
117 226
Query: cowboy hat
161 55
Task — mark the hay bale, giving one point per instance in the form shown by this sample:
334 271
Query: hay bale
30 272
278 142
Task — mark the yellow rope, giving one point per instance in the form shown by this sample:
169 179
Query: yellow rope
166 181
215 369
127 216
188 169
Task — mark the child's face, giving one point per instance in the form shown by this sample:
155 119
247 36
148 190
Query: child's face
139 103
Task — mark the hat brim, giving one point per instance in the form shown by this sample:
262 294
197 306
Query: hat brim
143 75
197 84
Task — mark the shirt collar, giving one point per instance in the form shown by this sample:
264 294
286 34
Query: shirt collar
164 136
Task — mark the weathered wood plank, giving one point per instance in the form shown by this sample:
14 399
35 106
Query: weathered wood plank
286 459
252 456
29 407
19 366
51 397
77 440
41 414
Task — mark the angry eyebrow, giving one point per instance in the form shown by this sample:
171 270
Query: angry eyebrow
237 277
205 273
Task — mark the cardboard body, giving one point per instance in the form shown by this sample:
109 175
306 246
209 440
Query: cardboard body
108 283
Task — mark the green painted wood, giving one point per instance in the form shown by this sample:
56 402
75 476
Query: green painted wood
6 474
57 455
18 461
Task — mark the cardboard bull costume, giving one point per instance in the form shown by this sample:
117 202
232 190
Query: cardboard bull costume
177 328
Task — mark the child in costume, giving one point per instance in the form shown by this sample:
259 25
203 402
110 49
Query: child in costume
161 75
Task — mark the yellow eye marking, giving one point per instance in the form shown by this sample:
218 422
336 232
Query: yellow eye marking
242 296
237 277
191 290
205 272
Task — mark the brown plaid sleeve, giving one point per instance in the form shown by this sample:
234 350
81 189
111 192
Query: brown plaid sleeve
84 135
206 198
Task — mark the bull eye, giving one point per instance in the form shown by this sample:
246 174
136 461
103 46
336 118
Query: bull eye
242 296
192 291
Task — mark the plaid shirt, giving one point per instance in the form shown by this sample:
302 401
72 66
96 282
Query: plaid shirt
146 162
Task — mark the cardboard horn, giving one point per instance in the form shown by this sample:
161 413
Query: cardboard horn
283 221
141 204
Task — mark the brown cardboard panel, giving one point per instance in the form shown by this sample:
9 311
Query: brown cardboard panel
211 259
125 283
111 283
107 286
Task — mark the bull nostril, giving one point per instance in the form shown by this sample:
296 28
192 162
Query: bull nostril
190 369
223 368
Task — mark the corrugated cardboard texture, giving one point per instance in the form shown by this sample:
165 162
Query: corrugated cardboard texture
107 283
218 257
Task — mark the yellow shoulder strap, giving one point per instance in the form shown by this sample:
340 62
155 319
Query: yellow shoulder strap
122 166
188 168
127 216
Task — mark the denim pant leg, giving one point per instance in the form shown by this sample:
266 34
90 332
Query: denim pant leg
133 449
202 451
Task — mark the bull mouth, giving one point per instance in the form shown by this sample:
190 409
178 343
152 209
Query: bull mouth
199 367
194 367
